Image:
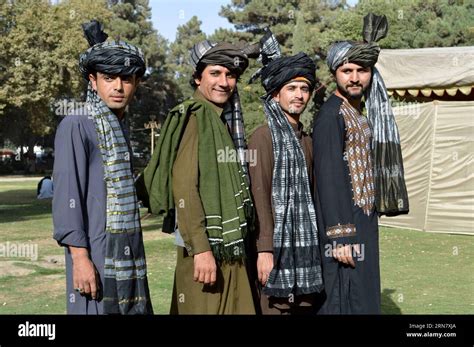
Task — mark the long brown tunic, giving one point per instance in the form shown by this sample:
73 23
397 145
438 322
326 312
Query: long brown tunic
232 293
261 184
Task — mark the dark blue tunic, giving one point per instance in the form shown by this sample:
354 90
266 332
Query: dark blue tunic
347 290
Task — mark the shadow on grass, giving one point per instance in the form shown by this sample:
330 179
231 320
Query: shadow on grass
150 222
19 205
152 227
388 305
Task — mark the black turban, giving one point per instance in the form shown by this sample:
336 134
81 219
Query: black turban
114 58
282 70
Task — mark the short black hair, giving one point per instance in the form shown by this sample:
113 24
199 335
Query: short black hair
197 74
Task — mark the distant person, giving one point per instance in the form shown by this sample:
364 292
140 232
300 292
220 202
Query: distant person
45 188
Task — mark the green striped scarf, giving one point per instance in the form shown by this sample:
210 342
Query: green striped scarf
223 186
125 278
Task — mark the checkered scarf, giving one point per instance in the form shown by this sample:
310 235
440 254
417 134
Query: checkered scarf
235 121
125 277
296 253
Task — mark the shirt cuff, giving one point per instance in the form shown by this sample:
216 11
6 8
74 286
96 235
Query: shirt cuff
74 238
198 244
265 244
345 233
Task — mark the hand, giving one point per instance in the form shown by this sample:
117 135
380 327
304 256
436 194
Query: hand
205 268
343 254
84 273
264 266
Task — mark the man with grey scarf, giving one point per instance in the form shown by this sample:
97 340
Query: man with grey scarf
358 172
95 208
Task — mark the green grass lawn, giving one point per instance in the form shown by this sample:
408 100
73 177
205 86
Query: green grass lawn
421 272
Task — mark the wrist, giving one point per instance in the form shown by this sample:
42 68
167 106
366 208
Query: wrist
78 253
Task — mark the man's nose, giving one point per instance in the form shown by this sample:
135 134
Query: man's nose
118 84
354 76
223 81
298 93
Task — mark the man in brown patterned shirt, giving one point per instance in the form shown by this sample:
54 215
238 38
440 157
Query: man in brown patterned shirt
287 259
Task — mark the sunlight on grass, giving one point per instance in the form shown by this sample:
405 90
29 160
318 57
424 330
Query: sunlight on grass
421 272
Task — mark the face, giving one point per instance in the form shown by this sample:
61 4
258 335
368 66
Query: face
216 84
293 97
352 80
115 91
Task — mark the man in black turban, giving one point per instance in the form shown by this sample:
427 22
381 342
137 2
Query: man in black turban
95 210
287 255
358 171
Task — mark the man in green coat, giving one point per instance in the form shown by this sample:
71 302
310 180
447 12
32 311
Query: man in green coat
198 179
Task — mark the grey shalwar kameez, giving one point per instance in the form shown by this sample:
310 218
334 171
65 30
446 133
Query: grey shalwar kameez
79 202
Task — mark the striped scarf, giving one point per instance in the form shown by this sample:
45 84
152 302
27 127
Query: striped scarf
391 196
235 122
223 186
296 253
125 277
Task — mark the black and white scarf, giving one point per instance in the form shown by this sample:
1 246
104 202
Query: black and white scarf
296 252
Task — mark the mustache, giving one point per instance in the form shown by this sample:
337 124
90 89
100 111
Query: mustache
354 85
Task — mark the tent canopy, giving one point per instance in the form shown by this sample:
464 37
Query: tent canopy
437 137
423 71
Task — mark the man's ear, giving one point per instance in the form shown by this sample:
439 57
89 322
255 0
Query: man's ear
197 81
276 95
93 80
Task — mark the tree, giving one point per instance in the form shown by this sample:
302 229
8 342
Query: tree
187 35
40 46
311 26
157 92
294 23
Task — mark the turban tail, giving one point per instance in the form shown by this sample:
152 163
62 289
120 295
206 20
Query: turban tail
391 197
234 59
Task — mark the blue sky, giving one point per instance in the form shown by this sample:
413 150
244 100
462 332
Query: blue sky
167 15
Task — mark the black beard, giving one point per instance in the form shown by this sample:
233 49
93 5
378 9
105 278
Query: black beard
347 95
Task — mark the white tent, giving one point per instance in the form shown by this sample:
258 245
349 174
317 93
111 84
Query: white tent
436 124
